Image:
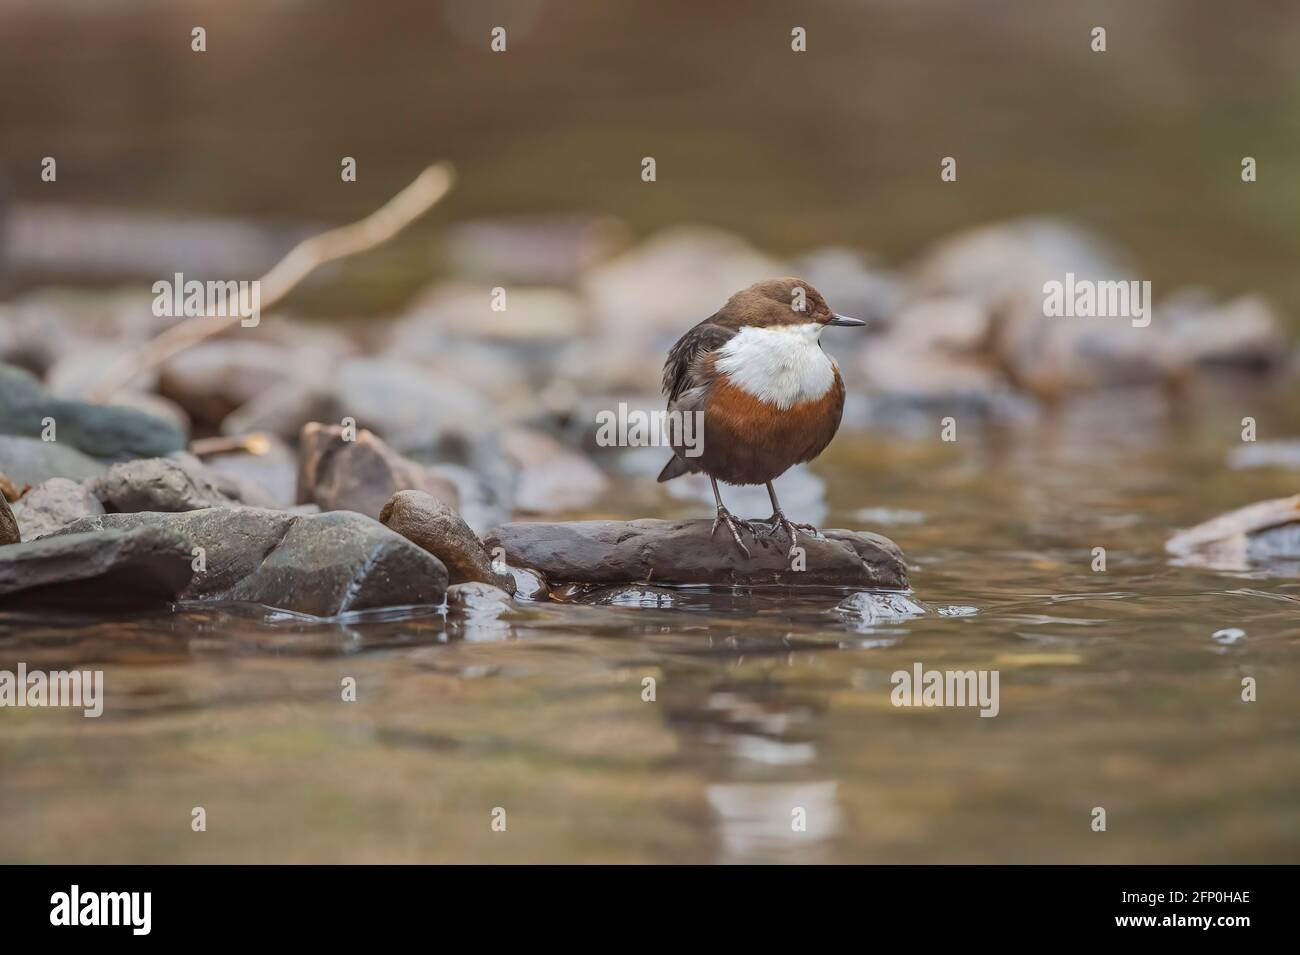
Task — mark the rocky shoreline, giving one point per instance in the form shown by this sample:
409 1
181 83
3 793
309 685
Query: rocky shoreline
328 469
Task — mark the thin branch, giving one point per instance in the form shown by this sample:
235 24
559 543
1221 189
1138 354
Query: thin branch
310 254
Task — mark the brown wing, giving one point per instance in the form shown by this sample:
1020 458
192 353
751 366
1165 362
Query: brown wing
680 371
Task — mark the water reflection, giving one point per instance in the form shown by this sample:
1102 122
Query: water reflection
770 735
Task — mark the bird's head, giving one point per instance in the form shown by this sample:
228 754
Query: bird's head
785 301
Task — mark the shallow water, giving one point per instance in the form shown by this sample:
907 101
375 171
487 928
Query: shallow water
1114 693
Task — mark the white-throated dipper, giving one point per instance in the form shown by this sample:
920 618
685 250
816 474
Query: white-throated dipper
770 396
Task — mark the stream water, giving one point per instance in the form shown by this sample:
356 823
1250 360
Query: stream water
771 735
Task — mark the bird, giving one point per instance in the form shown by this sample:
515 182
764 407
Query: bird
769 396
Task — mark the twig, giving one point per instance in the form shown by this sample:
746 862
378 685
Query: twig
377 228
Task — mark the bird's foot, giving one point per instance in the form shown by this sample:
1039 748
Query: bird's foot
733 525
778 521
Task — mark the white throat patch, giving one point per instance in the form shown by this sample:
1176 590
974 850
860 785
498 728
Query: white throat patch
783 365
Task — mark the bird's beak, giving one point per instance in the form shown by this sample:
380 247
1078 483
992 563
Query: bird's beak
845 320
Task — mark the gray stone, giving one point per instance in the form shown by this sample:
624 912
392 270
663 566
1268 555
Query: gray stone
97 570
476 596
437 528
31 461
54 504
682 552
157 484
359 475
102 431
318 564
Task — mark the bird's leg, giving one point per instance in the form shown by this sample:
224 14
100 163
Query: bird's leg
724 517
779 520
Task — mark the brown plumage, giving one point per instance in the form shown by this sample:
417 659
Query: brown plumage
769 396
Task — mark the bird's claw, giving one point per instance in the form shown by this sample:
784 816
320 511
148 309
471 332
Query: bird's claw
733 524
779 521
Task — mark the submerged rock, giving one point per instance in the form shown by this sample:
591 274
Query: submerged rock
871 607
1260 533
478 597
54 504
96 570
361 474
102 431
436 527
681 552
318 564
31 461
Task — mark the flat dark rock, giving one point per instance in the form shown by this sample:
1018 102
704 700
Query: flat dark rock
96 570
681 552
318 564
112 432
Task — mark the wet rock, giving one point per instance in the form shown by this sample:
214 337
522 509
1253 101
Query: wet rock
640 596
54 504
102 431
158 484
97 570
317 564
479 597
437 528
1264 533
9 533
681 552
405 403
481 506
877 607
551 477
359 475
529 584
31 461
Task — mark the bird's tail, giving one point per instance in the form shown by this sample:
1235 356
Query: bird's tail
675 467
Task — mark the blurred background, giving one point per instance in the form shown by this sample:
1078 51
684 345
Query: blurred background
838 146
